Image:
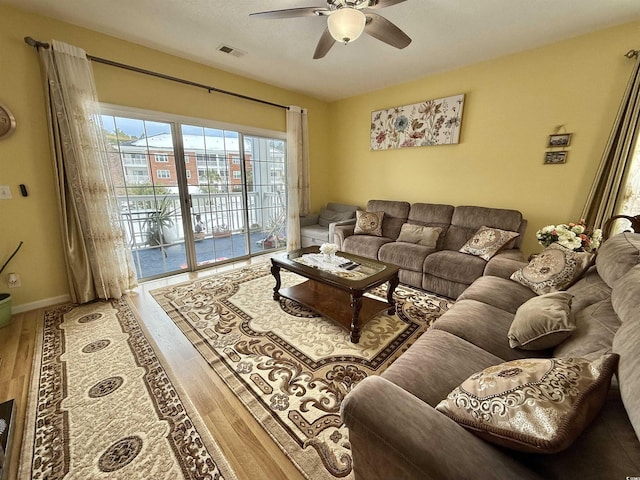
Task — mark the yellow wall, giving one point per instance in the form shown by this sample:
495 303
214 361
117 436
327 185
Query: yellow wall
25 157
512 104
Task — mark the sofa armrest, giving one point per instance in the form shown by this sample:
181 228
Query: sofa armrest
504 263
393 434
332 228
340 232
310 219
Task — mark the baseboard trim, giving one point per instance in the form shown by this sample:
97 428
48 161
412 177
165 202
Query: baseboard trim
45 302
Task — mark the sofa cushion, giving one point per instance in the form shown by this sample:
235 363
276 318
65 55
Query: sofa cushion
485 326
432 215
500 292
487 241
419 234
588 290
395 215
454 266
329 216
368 223
315 232
554 269
407 256
364 245
542 322
626 302
466 221
532 405
596 326
435 364
608 448
617 256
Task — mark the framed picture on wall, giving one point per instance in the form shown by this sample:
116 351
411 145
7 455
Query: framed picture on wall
553 158
559 140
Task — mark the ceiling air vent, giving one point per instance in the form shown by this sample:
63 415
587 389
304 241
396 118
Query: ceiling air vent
231 51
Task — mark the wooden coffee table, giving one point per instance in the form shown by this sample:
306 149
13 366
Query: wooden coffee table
338 296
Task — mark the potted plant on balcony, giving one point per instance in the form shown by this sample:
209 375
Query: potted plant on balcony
199 229
158 224
5 298
221 231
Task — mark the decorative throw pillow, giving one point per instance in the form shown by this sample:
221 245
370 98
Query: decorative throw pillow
538 405
554 269
487 241
542 322
329 216
419 234
368 223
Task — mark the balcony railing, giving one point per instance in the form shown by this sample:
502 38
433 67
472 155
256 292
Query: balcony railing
220 212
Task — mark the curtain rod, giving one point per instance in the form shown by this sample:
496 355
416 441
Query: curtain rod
37 44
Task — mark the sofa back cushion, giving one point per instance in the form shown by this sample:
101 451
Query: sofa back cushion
466 221
432 215
327 216
342 207
395 215
617 256
625 298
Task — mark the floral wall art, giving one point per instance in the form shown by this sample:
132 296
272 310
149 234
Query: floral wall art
432 122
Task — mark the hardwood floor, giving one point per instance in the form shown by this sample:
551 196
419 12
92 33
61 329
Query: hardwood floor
248 448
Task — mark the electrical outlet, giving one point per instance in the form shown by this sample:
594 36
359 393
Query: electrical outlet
14 280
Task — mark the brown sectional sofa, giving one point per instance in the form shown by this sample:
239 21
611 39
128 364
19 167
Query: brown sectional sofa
443 270
395 431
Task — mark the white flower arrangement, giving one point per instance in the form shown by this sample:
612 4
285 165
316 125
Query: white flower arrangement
574 236
328 248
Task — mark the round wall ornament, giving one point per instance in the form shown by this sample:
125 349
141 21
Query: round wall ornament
7 122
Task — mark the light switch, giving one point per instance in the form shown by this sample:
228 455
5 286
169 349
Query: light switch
5 192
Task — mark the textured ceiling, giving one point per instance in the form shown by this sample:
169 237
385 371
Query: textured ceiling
446 34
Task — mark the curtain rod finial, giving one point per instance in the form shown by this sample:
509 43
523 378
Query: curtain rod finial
35 43
631 53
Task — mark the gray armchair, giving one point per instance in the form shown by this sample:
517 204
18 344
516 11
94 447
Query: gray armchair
317 228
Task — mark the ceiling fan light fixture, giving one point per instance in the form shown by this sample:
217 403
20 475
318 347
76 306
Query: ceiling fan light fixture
346 24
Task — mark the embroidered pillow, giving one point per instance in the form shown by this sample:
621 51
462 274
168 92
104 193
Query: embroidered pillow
419 234
368 223
542 322
554 269
538 405
487 241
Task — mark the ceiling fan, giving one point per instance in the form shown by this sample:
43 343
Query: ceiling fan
346 20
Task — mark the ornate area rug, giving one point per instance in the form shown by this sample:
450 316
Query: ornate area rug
289 366
101 405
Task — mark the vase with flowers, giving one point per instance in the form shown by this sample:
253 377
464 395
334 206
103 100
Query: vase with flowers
329 251
574 236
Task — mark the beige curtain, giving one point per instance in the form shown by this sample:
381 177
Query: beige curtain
99 265
297 173
607 195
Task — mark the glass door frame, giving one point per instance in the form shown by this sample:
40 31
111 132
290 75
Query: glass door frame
177 122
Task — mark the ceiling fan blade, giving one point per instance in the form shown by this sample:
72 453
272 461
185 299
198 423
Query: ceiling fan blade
385 31
324 45
384 3
292 12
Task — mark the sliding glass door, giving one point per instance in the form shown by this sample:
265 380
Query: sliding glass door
223 200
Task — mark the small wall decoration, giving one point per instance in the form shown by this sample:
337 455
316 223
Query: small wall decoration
559 140
432 122
553 158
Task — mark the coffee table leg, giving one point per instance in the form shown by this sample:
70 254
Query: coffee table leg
275 271
356 305
393 283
